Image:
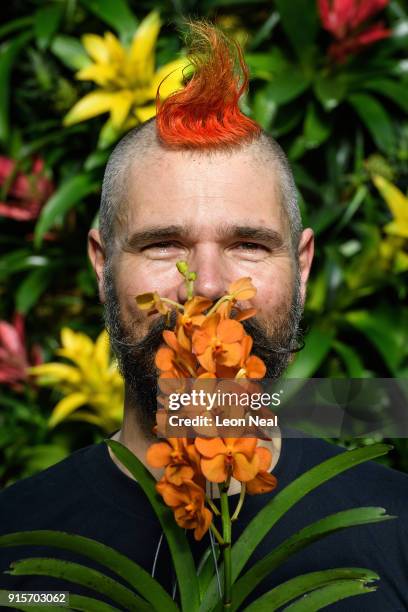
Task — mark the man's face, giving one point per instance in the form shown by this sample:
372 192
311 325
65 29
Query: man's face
221 213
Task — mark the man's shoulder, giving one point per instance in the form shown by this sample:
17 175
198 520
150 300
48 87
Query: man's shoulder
48 486
369 482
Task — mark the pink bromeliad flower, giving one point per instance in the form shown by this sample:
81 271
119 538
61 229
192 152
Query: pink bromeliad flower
23 194
346 20
14 356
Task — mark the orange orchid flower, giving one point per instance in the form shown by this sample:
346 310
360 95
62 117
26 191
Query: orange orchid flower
152 301
245 314
251 366
190 318
223 457
187 501
171 454
218 341
264 482
173 359
242 289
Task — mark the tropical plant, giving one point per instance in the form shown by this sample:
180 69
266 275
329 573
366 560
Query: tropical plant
198 587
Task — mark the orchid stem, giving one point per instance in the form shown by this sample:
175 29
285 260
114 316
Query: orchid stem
212 506
222 299
217 534
173 303
189 277
192 276
240 502
226 534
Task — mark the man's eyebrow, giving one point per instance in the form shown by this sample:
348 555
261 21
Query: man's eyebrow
142 237
262 234
225 232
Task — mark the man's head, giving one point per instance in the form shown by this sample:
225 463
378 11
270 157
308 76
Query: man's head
227 207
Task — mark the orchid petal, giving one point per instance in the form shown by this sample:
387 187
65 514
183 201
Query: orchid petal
214 469
245 470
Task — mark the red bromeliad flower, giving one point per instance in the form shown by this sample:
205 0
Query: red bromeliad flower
24 194
14 357
346 21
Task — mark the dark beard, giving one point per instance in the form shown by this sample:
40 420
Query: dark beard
136 358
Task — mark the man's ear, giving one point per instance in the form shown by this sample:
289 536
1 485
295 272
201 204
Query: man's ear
305 255
96 254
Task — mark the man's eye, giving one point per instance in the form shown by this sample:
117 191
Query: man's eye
251 246
160 245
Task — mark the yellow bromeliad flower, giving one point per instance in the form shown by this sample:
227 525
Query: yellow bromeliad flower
92 382
398 205
126 77
393 249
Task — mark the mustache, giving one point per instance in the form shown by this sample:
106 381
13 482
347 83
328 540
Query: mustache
264 345
151 341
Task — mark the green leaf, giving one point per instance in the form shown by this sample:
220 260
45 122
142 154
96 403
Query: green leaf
384 332
206 569
395 91
41 456
352 207
121 565
316 128
80 574
15 25
317 345
375 119
330 90
321 598
342 578
176 538
116 13
312 533
287 85
286 119
350 357
263 108
46 22
70 193
32 287
270 514
70 52
264 31
300 22
96 159
20 259
108 135
265 65
8 53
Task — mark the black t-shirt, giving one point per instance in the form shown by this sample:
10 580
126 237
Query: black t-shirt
88 494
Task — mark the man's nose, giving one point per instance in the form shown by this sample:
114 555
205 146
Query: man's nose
211 278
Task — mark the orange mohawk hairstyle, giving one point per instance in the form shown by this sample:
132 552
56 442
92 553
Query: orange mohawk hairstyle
206 113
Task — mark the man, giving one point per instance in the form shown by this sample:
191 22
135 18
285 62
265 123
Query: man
202 183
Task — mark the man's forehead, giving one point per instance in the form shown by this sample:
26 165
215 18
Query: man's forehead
200 191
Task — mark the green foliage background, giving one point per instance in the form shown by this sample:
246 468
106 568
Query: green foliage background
339 125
